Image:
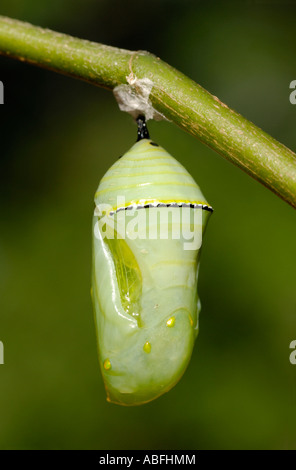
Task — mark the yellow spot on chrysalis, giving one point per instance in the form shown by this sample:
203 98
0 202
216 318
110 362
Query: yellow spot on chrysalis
171 322
190 319
107 364
147 347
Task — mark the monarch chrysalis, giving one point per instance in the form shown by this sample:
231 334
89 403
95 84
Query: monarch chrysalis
144 280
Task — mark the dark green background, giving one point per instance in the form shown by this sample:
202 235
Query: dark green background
58 137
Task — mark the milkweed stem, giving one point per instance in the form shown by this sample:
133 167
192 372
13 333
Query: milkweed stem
174 95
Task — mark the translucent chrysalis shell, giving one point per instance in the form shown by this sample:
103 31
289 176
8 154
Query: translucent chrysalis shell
145 270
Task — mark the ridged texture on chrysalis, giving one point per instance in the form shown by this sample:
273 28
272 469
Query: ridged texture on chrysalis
144 283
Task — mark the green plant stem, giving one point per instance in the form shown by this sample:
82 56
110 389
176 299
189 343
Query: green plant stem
177 97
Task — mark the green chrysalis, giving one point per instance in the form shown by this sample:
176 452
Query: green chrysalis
145 270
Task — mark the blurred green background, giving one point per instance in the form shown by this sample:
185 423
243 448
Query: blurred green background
58 137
